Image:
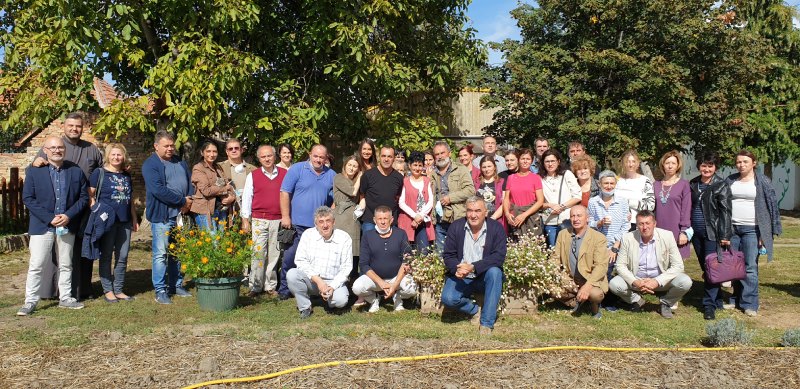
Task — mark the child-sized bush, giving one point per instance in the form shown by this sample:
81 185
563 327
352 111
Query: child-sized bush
727 332
791 338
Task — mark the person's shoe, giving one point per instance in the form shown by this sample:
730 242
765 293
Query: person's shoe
666 311
70 303
709 313
611 308
751 312
360 301
374 305
306 313
125 297
26 309
726 284
163 298
180 292
728 306
485 331
398 303
271 293
476 318
110 300
284 297
253 294
577 310
638 305
597 313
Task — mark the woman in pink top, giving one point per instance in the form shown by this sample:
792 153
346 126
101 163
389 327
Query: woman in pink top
523 197
416 203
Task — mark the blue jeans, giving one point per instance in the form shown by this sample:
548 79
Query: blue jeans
420 237
702 247
116 241
367 226
457 291
551 233
288 260
441 233
164 265
203 221
745 292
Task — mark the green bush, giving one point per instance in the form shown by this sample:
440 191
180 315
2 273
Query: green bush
791 338
727 332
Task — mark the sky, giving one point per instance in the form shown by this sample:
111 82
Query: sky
494 23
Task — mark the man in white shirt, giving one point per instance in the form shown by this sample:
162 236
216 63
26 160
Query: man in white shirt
649 263
261 215
324 259
490 150
235 169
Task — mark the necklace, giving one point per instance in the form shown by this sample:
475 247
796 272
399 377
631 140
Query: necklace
665 196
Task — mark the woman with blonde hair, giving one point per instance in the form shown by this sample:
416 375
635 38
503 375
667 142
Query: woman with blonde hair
111 185
674 201
634 187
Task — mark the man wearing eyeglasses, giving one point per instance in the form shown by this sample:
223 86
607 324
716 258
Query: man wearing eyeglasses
88 158
235 170
56 196
581 252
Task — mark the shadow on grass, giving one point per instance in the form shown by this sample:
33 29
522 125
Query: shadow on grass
791 289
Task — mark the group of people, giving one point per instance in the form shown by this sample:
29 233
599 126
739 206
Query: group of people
353 231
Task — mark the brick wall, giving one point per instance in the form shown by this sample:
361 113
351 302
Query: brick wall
139 147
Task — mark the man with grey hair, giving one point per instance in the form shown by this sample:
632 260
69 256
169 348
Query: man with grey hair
474 253
169 191
324 259
261 215
235 169
452 185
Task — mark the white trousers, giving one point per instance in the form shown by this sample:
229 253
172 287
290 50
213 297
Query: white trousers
41 248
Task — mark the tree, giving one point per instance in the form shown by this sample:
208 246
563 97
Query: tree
650 75
774 115
269 70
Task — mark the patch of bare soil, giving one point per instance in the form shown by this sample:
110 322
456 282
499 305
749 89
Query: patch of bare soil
176 358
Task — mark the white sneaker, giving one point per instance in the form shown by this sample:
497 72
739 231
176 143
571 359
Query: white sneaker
375 304
398 303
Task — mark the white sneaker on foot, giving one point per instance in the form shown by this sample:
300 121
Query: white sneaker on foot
374 305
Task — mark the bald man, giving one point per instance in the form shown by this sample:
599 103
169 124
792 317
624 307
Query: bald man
56 195
306 187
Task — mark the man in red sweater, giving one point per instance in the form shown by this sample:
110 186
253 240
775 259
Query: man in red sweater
261 215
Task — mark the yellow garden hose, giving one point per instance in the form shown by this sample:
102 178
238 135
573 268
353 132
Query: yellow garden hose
466 353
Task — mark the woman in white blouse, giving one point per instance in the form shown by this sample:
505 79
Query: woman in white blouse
634 187
416 203
561 191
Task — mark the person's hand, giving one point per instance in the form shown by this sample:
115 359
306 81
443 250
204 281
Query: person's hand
612 256
230 198
414 224
583 292
246 225
325 291
445 200
682 239
419 219
724 242
648 285
39 162
286 222
135 227
407 268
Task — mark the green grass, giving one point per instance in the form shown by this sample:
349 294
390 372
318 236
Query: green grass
270 319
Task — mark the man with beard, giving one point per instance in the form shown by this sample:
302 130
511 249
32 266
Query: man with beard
452 185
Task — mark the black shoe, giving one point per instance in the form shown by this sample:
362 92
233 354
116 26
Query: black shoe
283 297
709 313
306 313
637 306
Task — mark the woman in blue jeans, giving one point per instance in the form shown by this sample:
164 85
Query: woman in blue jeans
115 189
711 222
213 194
561 191
755 218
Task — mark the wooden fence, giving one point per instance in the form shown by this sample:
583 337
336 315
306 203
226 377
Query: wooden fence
13 214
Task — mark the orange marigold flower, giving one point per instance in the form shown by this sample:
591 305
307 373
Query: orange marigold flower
191 233
199 243
241 232
208 240
171 246
204 260
249 242
230 250
183 267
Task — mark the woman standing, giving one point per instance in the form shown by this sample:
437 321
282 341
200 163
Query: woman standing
561 191
345 200
755 218
512 164
366 152
523 198
635 187
711 222
429 160
490 187
213 194
674 202
416 203
115 191
465 157
286 154
583 167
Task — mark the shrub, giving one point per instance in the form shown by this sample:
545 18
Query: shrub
212 254
428 270
727 332
791 338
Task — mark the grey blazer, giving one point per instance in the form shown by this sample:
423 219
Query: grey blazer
670 262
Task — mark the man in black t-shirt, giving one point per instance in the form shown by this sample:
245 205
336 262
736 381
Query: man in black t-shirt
380 186
381 261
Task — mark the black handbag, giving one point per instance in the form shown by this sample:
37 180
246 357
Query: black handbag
286 236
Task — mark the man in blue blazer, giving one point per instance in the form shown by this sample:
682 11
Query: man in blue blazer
56 195
474 253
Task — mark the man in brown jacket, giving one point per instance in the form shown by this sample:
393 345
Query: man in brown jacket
581 252
452 186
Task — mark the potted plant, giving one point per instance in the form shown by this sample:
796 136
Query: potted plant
529 274
215 260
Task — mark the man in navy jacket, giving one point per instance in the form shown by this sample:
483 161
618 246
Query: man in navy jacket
56 195
474 253
169 191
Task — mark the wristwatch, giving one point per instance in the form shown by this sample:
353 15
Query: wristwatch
614 250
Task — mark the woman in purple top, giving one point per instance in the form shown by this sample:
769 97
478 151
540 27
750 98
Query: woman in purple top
674 201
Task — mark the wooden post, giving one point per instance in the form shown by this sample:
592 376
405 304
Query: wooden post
14 201
4 206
